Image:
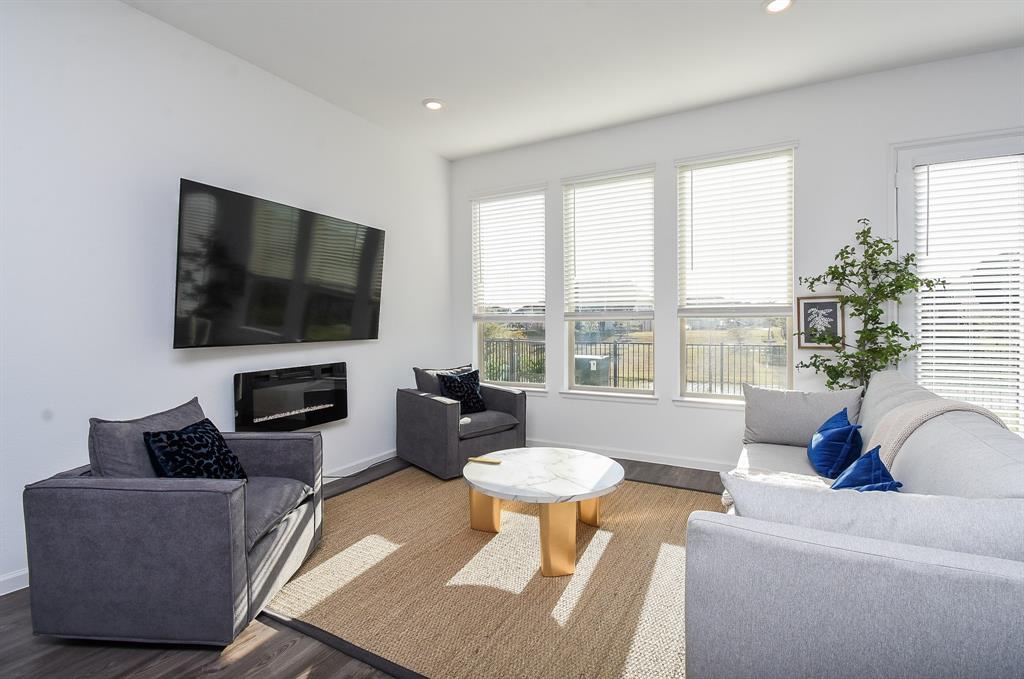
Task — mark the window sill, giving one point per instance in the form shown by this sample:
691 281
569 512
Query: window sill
530 391
712 403
646 399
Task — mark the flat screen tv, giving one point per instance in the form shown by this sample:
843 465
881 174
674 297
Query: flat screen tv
252 271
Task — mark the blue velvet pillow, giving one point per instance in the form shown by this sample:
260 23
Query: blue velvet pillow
867 473
835 445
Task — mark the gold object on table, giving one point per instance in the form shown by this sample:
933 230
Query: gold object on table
484 512
485 460
558 538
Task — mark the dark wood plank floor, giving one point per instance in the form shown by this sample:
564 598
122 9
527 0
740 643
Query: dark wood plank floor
265 649
676 477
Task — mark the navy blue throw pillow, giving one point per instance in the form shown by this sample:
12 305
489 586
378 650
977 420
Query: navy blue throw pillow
835 445
464 388
197 451
867 473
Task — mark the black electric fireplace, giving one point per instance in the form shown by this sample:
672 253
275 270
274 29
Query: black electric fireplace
287 399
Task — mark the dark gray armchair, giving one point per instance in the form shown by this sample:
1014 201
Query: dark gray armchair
433 434
172 560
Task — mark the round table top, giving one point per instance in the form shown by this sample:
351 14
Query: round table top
545 475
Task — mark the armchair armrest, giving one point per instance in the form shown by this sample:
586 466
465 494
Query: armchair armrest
760 598
137 559
506 399
292 455
427 429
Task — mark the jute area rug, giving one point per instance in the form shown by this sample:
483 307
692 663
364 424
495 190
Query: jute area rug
401 574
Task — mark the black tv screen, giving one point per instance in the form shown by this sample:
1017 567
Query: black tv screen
252 271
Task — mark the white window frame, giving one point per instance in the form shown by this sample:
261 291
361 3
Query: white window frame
732 311
570 317
903 226
479 318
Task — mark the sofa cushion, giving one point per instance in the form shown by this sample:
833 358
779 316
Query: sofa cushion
426 378
116 448
485 422
769 459
989 527
964 454
268 499
791 417
886 390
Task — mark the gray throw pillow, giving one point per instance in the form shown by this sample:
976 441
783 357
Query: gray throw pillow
426 378
989 527
790 418
117 450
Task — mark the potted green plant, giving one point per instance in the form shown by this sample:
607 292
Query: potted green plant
866 277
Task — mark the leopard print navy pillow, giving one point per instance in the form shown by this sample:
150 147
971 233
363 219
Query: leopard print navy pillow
464 388
196 452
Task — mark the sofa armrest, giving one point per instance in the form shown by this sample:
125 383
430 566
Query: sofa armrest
427 428
291 455
137 559
762 598
506 399
77 472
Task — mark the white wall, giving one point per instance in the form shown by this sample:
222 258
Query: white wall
103 109
844 131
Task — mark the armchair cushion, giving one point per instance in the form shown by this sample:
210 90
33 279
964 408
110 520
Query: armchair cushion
426 378
465 389
268 499
197 451
116 448
485 422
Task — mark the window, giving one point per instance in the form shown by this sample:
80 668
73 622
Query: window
969 231
508 287
609 282
736 274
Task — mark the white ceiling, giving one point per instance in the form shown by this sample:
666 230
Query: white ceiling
517 72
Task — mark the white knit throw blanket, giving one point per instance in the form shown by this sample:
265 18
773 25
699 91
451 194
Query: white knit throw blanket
903 420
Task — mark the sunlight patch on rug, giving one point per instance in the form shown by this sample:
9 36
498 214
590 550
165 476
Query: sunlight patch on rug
509 561
658 647
584 569
311 589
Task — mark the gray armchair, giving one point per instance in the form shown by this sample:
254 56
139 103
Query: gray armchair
172 560
433 434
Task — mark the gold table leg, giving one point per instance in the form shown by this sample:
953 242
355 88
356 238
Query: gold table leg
558 538
484 512
590 511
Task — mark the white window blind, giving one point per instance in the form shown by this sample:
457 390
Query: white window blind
969 222
334 257
736 236
609 247
274 236
508 256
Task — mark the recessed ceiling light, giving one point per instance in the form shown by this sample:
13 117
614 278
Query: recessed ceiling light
433 104
777 6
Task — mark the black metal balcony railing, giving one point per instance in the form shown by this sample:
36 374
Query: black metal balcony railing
710 368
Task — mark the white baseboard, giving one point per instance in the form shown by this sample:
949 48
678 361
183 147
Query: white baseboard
13 581
359 465
640 456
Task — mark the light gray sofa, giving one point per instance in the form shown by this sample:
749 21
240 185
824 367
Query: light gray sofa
433 434
799 580
172 560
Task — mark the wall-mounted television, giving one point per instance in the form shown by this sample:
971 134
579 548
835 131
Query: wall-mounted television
252 271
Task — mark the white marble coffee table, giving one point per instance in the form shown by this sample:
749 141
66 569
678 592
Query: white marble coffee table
565 483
